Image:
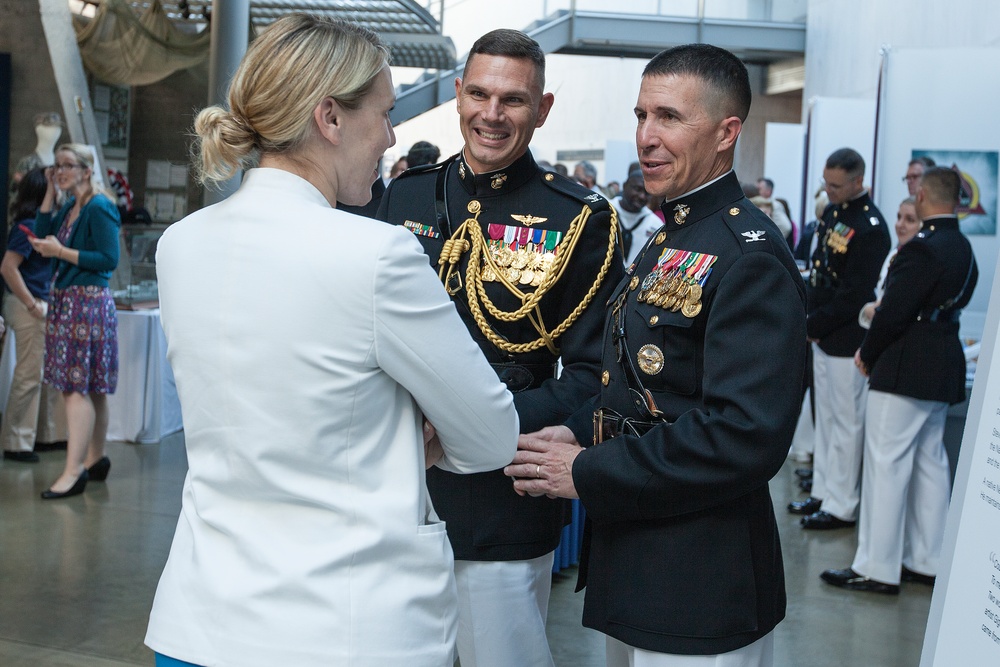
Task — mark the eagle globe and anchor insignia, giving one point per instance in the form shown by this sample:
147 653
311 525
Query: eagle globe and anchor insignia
650 359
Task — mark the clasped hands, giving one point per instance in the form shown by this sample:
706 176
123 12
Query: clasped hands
543 464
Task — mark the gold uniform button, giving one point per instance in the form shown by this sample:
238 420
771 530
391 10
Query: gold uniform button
816 263
653 320
550 177
866 207
605 378
660 238
632 284
734 211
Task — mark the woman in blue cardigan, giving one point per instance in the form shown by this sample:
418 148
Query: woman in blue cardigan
81 334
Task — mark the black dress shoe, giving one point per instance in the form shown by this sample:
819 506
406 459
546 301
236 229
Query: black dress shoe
804 473
78 486
806 485
824 521
915 577
807 506
54 446
22 457
852 580
99 471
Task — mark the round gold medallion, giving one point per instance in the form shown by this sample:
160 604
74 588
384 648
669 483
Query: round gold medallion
734 211
650 359
691 309
660 238
605 378
549 177
694 293
474 207
632 284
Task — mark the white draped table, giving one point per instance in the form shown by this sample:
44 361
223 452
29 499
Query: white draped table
145 407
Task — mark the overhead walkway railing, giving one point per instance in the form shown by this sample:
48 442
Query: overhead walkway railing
623 35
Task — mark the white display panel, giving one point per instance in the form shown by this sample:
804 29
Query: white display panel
836 122
784 157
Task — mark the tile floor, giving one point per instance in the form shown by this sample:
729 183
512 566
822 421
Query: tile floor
77 576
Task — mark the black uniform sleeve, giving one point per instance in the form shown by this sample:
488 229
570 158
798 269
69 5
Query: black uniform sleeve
910 281
754 362
856 284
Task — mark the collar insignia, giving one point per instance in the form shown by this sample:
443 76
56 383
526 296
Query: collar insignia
593 198
681 213
527 220
498 181
461 170
754 236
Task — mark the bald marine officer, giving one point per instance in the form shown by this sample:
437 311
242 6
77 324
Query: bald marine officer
529 259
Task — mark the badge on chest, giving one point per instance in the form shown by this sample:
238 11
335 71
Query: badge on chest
839 237
524 255
677 281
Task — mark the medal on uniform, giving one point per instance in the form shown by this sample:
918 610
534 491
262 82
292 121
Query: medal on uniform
650 359
691 309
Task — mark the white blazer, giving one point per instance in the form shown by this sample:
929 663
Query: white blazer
308 344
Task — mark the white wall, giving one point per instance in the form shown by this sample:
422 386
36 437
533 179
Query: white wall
844 37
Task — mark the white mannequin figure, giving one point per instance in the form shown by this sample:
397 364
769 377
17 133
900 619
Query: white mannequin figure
48 129
48 134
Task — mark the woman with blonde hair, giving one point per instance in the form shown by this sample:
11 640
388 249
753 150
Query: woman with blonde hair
312 350
81 329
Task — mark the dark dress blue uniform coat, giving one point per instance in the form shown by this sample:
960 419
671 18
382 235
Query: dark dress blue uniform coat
843 278
683 554
487 520
912 348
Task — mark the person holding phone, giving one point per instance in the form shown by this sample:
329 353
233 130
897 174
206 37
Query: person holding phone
26 275
81 339
307 370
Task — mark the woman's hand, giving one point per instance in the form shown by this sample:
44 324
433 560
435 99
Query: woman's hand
39 310
433 452
48 247
49 200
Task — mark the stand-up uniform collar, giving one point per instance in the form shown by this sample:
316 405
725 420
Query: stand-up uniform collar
935 222
858 208
496 182
701 203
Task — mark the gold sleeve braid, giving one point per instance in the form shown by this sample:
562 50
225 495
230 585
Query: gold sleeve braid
530 301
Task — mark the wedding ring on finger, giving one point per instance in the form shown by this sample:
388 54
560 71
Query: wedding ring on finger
538 471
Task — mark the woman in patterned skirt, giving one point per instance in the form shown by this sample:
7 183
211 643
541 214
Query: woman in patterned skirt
81 334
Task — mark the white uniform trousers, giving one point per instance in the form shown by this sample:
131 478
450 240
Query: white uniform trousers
34 411
803 442
840 428
906 487
502 607
758 654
